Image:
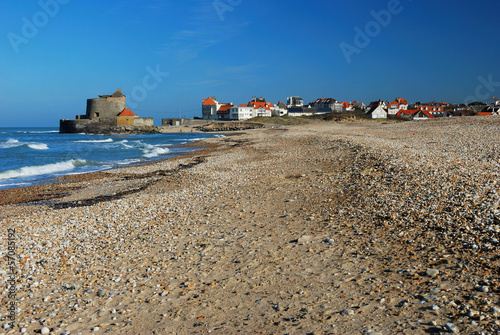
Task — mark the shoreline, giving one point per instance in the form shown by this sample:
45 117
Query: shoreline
42 183
324 228
55 187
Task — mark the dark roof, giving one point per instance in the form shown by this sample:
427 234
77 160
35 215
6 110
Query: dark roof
118 94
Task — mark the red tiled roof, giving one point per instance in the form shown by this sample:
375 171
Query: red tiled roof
263 104
224 109
398 102
432 108
426 113
127 112
208 102
407 112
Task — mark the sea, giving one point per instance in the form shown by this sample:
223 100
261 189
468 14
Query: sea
31 156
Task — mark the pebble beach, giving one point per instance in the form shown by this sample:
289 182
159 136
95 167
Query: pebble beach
355 227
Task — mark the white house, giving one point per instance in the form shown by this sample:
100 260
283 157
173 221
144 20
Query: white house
397 105
279 109
347 107
375 104
242 112
261 106
377 112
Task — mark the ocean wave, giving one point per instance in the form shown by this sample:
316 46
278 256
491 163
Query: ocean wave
10 143
38 146
109 140
30 171
38 132
154 151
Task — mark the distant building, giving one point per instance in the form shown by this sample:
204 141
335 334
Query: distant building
106 107
415 114
209 108
422 114
359 105
347 107
126 118
261 106
224 112
327 105
279 110
242 112
301 111
294 102
434 110
377 110
105 112
397 105
374 104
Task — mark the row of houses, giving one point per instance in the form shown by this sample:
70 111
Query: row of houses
259 107
418 111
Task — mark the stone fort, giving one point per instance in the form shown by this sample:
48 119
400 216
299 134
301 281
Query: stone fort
104 112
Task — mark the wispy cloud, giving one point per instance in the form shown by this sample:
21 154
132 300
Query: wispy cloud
205 31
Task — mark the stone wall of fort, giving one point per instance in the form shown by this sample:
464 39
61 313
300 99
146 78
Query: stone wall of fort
144 122
105 108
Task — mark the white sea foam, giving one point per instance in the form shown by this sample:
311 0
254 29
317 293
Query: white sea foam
154 151
11 143
38 146
30 171
109 140
38 132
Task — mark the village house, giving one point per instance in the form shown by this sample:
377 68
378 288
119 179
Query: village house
262 107
279 110
209 108
294 102
301 111
224 112
375 104
257 107
397 105
493 108
359 105
242 112
415 114
422 114
435 110
327 105
377 110
347 107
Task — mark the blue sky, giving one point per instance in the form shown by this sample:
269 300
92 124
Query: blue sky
167 56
